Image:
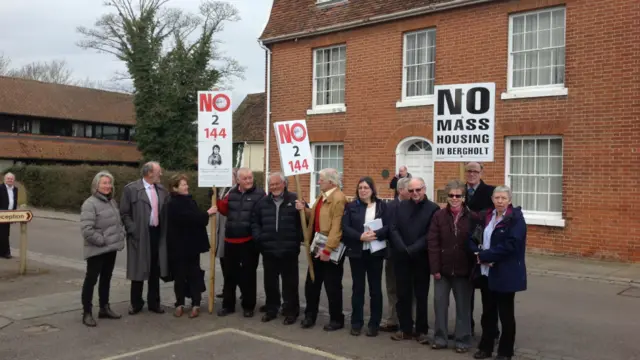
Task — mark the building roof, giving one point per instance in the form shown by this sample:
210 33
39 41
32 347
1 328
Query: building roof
249 119
27 146
300 18
36 98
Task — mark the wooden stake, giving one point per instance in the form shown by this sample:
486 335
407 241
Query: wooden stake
303 221
462 171
23 248
212 253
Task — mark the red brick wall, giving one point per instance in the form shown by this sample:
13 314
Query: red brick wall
599 119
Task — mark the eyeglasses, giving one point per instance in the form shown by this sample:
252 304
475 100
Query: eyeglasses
414 190
473 172
457 196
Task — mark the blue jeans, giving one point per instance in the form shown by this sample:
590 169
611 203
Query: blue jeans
370 267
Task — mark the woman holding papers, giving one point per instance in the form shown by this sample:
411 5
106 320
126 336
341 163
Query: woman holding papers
364 234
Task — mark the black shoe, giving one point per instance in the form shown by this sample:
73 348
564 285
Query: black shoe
262 309
248 313
220 296
481 355
134 309
372 332
225 312
288 320
333 326
500 357
268 317
88 320
157 309
389 328
107 313
307 323
355 331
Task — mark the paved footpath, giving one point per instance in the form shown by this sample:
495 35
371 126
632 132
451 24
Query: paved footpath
574 309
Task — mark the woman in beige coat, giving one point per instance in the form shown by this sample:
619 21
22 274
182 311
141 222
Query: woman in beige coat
104 236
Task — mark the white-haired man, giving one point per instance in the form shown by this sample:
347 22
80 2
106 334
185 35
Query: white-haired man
8 201
325 218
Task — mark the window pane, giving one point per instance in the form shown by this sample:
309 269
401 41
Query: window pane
518 42
528 201
530 41
528 165
430 87
542 202
555 166
516 147
516 165
556 203
529 147
557 37
558 57
544 39
555 184
518 24
518 78
542 184
542 165
518 61
545 57
531 23
529 184
319 70
516 184
543 147
558 75
556 147
517 199
422 40
88 131
544 76
558 18
411 42
544 20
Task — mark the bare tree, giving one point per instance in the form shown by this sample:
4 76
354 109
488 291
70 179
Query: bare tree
55 71
4 64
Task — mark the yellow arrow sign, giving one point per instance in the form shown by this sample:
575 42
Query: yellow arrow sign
11 216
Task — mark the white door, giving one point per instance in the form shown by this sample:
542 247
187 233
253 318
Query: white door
416 155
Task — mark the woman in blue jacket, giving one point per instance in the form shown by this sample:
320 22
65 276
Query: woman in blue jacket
366 257
499 243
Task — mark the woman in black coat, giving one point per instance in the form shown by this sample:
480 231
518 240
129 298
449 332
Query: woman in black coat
186 239
366 249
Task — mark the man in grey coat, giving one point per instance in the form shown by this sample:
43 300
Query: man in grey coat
142 210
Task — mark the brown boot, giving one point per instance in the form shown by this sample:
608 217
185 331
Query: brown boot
88 320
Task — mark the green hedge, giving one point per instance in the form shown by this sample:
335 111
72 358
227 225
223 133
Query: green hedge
64 187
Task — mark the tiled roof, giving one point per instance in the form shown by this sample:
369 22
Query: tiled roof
25 146
305 16
249 118
35 98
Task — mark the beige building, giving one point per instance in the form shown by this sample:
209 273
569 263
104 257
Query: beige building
249 130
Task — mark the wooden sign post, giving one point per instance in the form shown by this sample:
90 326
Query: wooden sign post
23 217
212 252
292 138
303 221
215 159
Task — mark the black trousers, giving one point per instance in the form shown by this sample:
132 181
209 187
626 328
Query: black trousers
497 304
5 248
153 293
330 274
412 279
366 268
285 267
187 280
240 266
98 266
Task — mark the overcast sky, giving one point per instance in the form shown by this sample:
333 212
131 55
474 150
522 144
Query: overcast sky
39 30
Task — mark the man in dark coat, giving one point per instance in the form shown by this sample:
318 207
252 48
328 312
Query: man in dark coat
477 199
409 243
241 254
403 173
8 201
142 209
278 233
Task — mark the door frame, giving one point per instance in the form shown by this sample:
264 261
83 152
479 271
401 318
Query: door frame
401 149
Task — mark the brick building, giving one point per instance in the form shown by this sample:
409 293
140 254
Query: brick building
51 123
567 75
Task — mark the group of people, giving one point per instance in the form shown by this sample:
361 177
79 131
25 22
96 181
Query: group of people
477 241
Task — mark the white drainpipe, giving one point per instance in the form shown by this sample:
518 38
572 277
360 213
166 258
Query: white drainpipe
268 122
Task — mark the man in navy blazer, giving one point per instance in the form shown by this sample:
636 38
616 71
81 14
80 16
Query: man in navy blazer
8 201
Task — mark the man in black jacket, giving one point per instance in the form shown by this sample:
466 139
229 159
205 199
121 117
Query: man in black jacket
8 201
241 254
409 242
478 198
278 233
